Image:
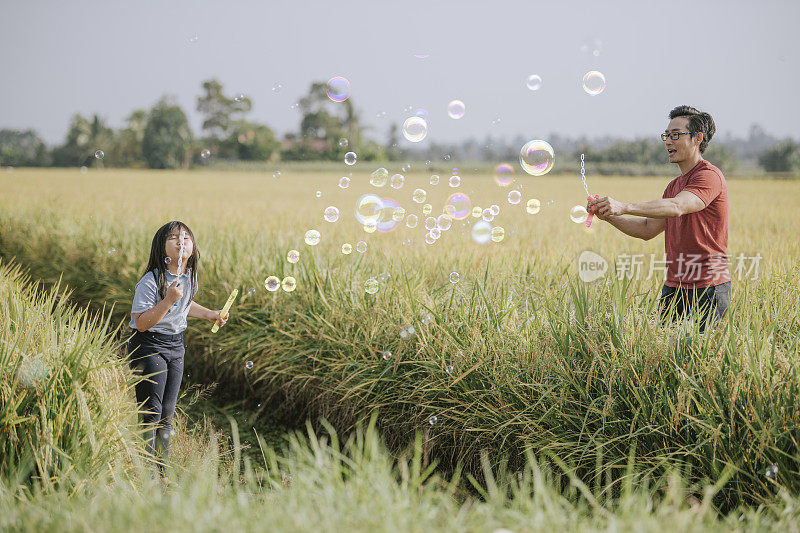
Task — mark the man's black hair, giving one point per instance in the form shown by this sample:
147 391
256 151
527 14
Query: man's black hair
699 122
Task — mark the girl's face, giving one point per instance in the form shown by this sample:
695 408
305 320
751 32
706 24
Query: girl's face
173 247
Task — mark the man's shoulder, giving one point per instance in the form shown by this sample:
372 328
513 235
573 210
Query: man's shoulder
706 168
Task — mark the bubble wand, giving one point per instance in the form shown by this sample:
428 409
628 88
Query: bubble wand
588 196
180 258
225 309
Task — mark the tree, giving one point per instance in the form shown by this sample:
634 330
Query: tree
22 148
218 110
783 157
251 142
128 147
84 138
167 136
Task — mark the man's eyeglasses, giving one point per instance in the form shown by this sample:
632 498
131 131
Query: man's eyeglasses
674 135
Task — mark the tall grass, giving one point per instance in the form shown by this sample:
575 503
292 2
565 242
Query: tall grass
539 360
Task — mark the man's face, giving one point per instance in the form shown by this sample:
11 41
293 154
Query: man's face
685 147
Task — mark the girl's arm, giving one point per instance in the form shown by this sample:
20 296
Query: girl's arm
198 311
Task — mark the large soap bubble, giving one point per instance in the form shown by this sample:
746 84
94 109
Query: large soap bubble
415 129
536 157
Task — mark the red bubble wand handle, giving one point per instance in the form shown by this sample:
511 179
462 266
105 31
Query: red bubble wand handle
591 211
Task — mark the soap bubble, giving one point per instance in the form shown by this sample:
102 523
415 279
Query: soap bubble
514 197
239 97
495 209
454 171
368 209
449 369
454 181
461 205
406 167
398 214
288 284
594 82
504 175
293 256
498 233
99 154
344 182
419 196
481 232
251 291
533 82
477 211
433 420
536 157
533 206
318 194
350 158
487 215
426 209
84 170
421 113
371 286
361 247
444 222
456 109
578 214
347 248
406 332
331 213
370 228
771 472
343 142
415 129
411 221
430 238
397 181
312 237
434 180
436 233
454 277
387 355
430 223
277 87
248 365
272 283
276 174
338 89
379 177
386 216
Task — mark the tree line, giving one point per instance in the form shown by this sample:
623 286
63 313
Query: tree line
162 138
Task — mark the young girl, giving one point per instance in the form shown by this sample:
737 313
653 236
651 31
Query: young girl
161 303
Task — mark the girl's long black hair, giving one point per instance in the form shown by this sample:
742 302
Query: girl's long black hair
158 257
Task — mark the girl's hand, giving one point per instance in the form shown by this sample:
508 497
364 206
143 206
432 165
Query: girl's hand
217 317
174 292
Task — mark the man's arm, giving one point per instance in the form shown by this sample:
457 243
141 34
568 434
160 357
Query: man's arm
684 203
641 227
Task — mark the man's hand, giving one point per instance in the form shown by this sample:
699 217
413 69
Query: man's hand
605 207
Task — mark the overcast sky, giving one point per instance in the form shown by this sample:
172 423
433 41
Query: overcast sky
738 60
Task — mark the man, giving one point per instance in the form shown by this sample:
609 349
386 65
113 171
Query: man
693 214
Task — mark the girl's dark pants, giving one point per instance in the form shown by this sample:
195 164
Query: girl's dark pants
159 358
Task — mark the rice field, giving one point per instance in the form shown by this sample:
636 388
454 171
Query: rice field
517 359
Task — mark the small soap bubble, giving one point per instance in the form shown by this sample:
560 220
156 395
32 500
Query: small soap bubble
167 260
495 209
272 283
248 365
533 206
387 355
412 221
415 129
504 175
318 194
347 248
534 82
344 182
350 158
454 277
406 332
487 215
397 181
276 174
371 286
338 89
481 232
239 97
419 196
361 247
456 109
99 154
430 223
343 143
425 319
477 211
433 420
426 209
251 291
446 157
449 369
434 180
594 82
288 284
312 237
293 256
331 213
444 221
514 197
498 233
436 233
112 251
379 177
454 181
277 87
771 472
578 214
407 167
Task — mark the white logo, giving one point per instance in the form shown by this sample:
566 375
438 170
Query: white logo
591 266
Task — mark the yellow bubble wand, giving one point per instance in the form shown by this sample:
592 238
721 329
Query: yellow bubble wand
225 309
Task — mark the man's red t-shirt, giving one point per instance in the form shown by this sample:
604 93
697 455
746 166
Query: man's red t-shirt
696 244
